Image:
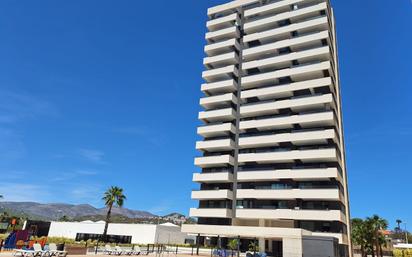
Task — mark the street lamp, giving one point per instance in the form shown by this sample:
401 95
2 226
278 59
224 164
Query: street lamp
406 234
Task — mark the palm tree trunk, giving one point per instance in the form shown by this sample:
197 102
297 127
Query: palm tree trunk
106 225
380 250
378 253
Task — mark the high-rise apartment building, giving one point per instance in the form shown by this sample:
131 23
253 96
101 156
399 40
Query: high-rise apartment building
273 155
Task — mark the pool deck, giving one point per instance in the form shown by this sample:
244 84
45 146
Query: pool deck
10 254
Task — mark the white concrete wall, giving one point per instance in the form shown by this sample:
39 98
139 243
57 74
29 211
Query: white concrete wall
292 247
140 233
170 235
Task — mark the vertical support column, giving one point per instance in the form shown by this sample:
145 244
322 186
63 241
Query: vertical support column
197 244
238 246
238 97
261 239
261 245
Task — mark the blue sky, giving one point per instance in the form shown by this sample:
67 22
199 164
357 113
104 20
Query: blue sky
98 93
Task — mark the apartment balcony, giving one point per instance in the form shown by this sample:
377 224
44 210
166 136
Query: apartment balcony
312 40
232 231
228 8
294 16
215 145
219 74
226 114
221 60
305 156
286 90
318 174
295 104
277 62
223 22
223 34
318 137
271 9
227 86
304 120
210 212
212 194
214 161
291 214
223 47
216 177
269 36
216 130
290 194
298 73
218 101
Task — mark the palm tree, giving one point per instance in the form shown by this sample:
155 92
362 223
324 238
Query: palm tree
398 221
113 196
359 235
377 224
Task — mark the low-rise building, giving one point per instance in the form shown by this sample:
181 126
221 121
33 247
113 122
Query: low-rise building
166 233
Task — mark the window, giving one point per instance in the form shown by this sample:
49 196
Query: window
284 50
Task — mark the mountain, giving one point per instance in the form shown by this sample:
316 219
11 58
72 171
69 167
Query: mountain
55 211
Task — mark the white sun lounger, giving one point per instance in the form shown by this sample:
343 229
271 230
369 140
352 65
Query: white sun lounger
22 252
38 251
136 250
54 252
123 251
108 250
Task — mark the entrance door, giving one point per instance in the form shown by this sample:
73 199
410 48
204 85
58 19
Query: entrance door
277 248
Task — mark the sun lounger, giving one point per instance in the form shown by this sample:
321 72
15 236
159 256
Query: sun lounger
124 251
54 252
38 251
136 250
108 250
22 252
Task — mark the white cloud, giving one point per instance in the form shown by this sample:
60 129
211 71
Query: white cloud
92 155
20 192
12 146
72 175
86 172
20 106
87 193
161 208
148 134
56 192
14 108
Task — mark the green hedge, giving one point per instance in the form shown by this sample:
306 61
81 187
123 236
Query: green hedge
402 252
3 236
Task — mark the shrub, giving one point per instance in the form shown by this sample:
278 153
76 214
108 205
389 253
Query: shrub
402 253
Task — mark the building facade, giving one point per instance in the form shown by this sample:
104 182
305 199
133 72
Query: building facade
166 233
273 154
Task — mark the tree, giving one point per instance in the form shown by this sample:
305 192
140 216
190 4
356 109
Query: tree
112 197
64 218
367 234
253 246
398 221
233 244
359 235
377 239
